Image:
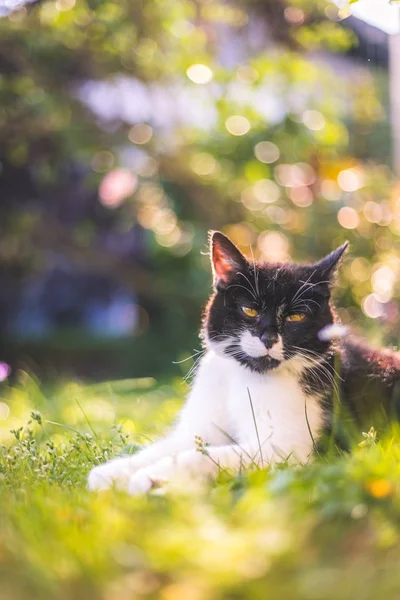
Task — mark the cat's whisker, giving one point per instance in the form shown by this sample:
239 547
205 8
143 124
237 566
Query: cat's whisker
317 378
300 306
311 355
312 352
304 302
249 282
316 367
194 366
196 353
317 373
244 288
296 296
256 273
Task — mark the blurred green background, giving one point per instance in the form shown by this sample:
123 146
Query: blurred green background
130 129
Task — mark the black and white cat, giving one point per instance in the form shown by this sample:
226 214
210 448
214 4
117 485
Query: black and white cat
264 389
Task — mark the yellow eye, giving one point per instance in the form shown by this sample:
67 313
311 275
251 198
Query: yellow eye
249 312
296 318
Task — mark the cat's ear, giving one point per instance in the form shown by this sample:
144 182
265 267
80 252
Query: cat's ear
328 266
226 259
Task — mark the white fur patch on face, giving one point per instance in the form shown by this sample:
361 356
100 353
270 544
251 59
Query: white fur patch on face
253 346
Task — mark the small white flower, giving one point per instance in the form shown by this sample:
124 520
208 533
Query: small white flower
332 332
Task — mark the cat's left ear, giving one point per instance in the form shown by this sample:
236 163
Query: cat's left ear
328 266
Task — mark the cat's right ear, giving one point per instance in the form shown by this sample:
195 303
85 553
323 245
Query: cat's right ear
327 266
226 259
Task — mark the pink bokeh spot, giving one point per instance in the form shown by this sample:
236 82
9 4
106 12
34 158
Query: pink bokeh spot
5 371
116 186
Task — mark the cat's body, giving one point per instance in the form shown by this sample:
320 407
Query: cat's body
264 391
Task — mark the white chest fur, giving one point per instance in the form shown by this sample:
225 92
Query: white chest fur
270 410
243 416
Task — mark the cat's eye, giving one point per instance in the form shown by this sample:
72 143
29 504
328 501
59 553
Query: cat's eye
249 312
296 318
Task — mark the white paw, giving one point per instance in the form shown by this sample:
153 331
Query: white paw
115 473
140 483
160 473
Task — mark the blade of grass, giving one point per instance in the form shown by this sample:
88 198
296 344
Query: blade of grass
256 428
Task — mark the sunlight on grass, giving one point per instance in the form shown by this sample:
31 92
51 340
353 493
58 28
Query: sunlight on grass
326 530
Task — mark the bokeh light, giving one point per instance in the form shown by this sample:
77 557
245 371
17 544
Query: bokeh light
204 164
351 180
146 166
181 28
199 74
266 191
266 152
330 190
314 120
241 234
297 175
383 280
360 269
348 217
116 186
301 196
277 214
5 371
65 5
247 74
372 307
145 49
102 161
273 246
140 133
294 15
237 125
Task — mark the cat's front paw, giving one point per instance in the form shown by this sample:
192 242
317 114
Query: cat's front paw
184 471
159 474
115 473
141 483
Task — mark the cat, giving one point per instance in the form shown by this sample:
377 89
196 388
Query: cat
265 389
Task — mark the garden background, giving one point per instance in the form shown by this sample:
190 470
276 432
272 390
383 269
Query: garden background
128 131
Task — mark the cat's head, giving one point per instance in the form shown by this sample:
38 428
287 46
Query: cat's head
268 315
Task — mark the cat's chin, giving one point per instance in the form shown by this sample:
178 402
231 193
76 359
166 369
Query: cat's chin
262 364
258 364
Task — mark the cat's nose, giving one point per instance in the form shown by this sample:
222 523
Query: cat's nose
269 339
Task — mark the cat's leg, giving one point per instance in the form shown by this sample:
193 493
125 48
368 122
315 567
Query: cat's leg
118 471
203 415
194 465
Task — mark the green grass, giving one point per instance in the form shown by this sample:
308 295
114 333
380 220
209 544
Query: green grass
326 530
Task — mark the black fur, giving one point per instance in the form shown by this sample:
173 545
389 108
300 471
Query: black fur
366 380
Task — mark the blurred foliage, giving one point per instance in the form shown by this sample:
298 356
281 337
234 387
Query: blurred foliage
250 128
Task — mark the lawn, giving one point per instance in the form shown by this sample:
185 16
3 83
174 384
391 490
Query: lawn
329 529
